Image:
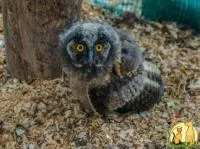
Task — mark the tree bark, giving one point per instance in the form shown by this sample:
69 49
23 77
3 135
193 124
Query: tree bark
31 33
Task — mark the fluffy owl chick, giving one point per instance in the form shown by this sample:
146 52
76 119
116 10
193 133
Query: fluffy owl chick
91 51
105 69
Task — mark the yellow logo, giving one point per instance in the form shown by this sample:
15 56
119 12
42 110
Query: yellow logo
183 135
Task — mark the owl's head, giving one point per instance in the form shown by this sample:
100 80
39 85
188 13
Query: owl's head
91 47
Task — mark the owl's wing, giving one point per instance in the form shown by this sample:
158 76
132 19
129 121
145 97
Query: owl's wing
142 91
137 92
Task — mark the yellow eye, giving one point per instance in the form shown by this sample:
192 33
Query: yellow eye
80 47
99 47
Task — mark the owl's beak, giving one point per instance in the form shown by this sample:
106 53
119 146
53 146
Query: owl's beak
90 57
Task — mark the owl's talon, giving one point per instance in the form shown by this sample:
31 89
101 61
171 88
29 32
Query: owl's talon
88 109
111 115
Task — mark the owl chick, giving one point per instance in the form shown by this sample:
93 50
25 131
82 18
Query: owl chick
90 50
105 68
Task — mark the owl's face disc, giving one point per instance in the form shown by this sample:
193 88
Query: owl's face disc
89 46
88 50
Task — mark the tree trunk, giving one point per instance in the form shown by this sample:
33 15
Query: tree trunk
31 33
